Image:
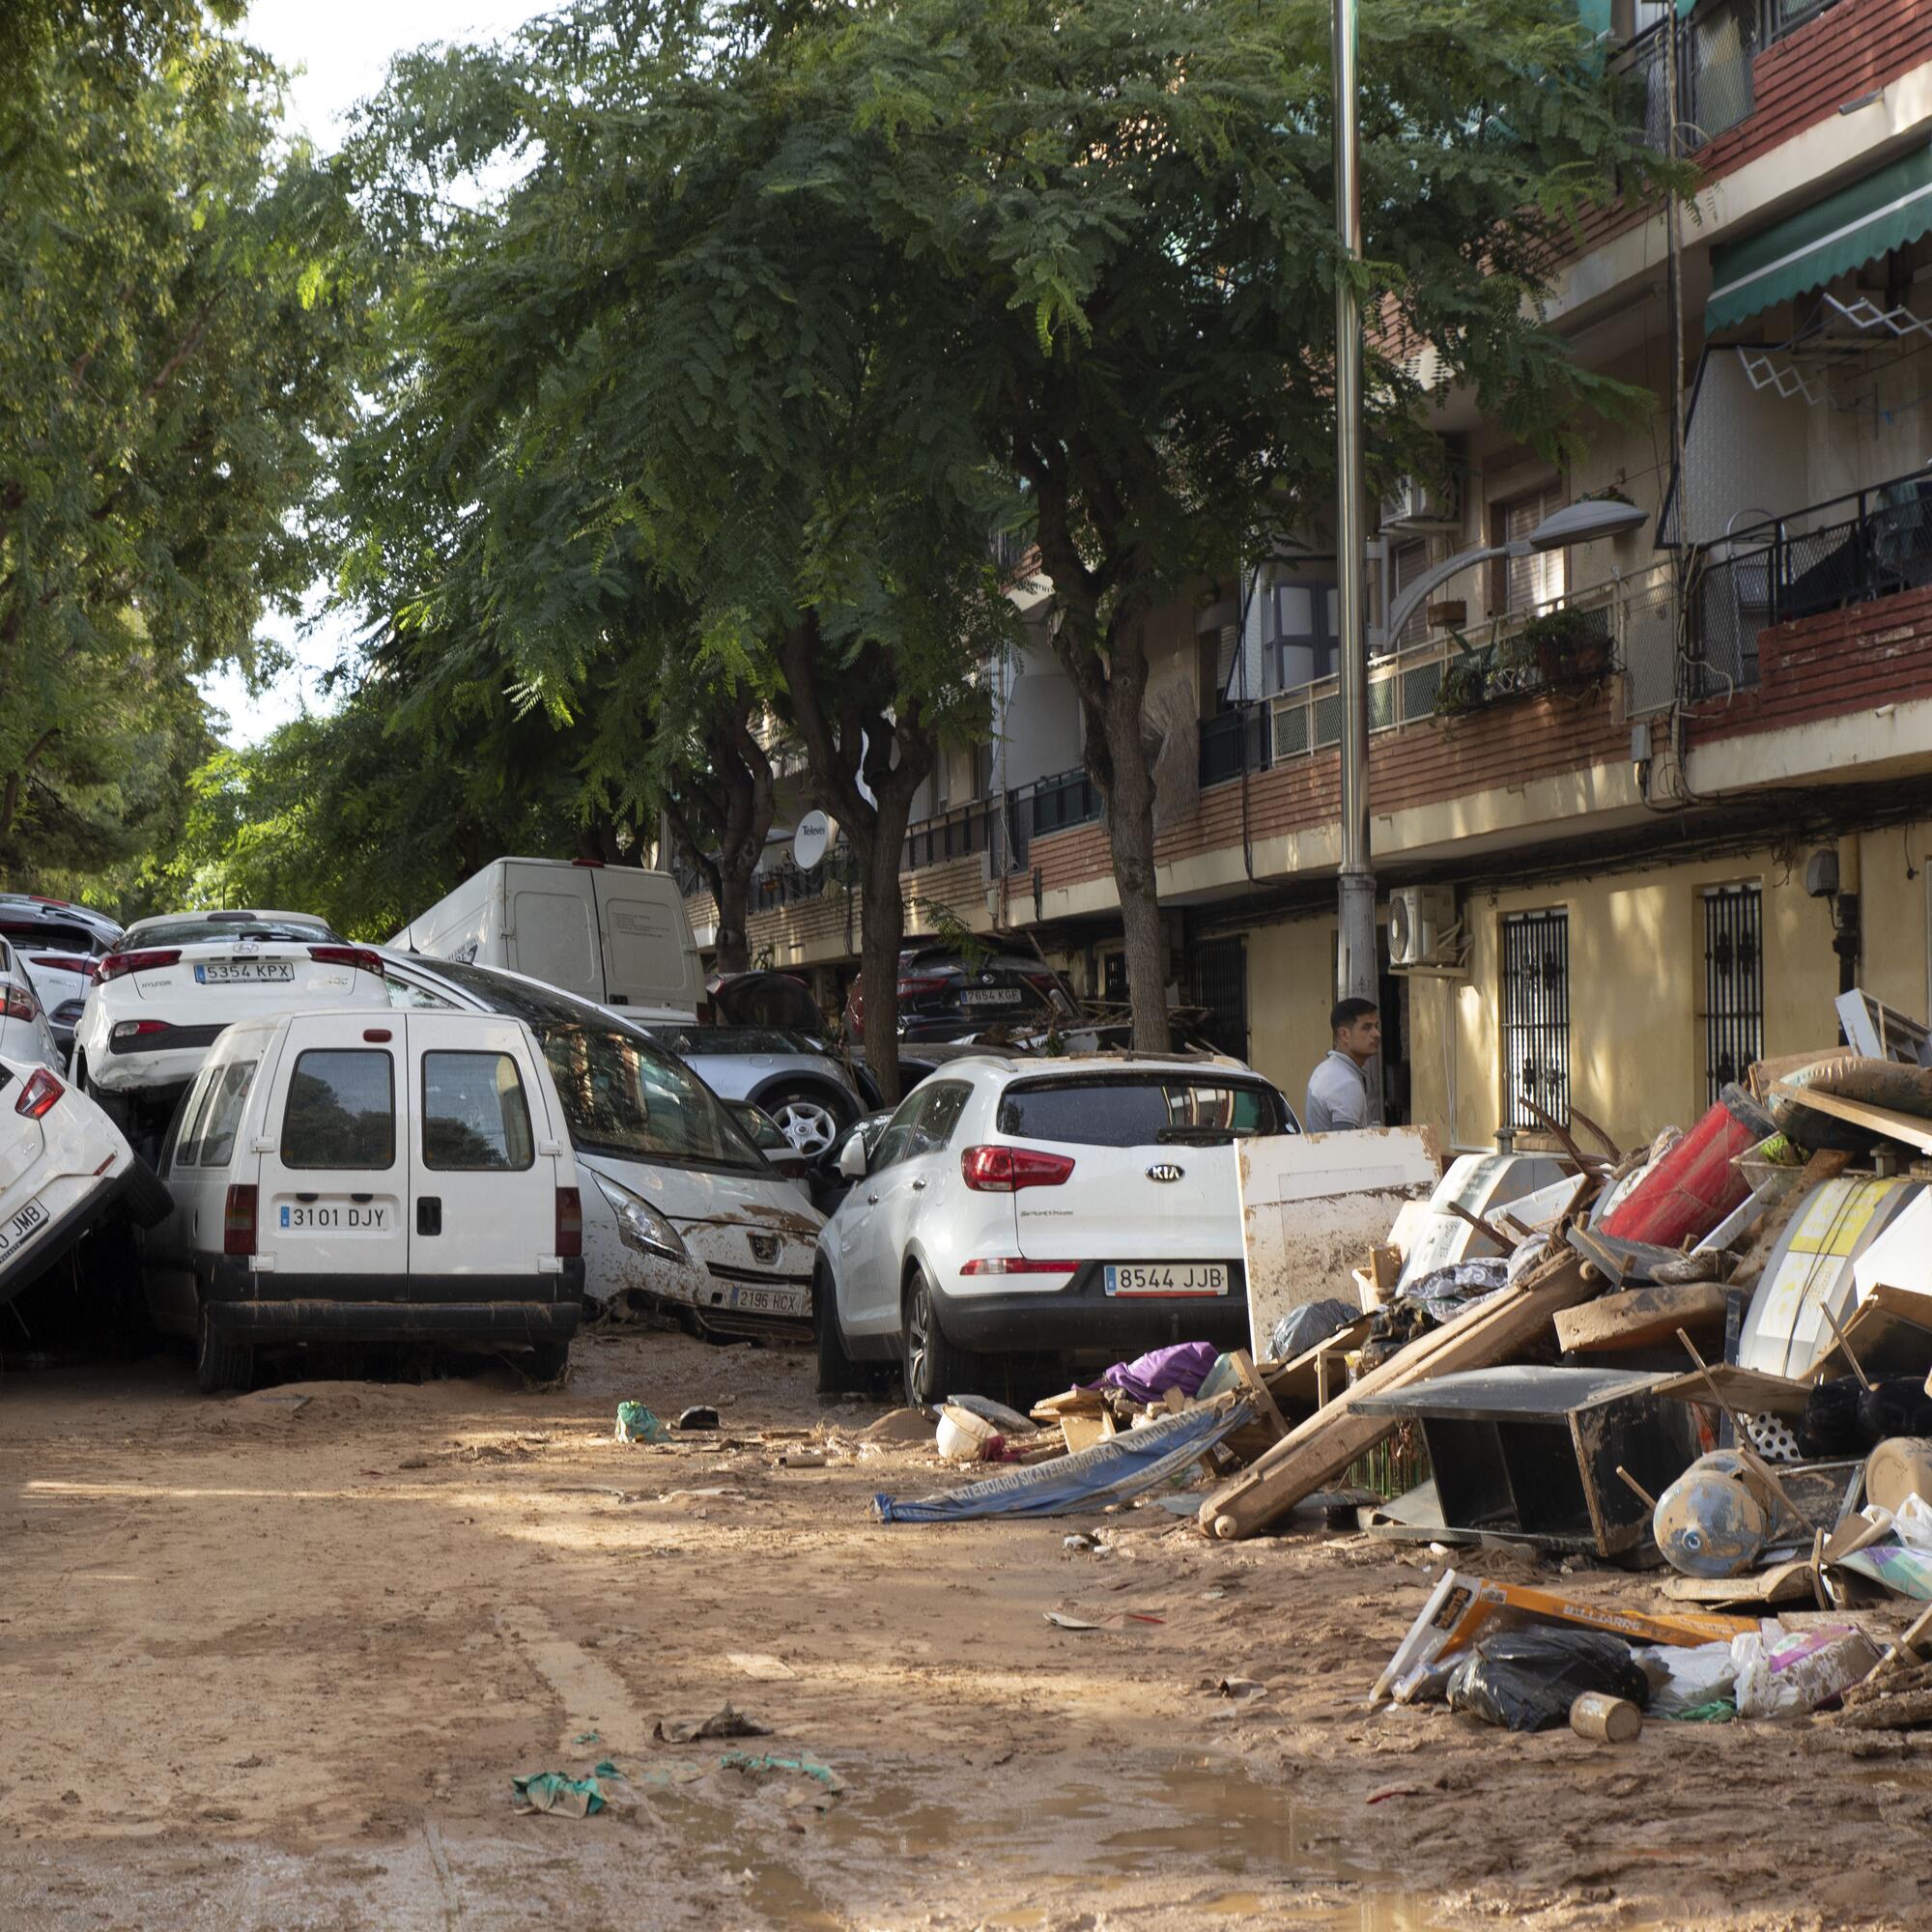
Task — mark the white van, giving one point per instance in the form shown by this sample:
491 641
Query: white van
616 935
362 1176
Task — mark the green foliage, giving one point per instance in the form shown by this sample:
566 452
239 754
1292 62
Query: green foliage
181 311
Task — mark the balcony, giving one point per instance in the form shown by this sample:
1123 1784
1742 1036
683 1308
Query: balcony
952 835
1849 550
1714 47
1234 743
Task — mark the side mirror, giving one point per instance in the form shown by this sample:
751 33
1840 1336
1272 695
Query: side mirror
852 1159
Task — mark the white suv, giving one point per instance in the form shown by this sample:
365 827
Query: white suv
62 946
1083 1208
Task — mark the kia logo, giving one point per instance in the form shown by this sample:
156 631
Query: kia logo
764 1248
1165 1170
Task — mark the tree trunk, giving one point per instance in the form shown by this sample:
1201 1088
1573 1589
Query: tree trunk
884 931
1129 794
731 888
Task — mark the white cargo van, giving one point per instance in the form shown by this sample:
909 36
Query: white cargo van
362 1176
616 935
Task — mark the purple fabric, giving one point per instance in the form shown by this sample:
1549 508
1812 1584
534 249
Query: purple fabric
1184 1366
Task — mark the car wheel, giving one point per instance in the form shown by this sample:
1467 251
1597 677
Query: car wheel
219 1363
934 1368
149 1202
808 1120
837 1374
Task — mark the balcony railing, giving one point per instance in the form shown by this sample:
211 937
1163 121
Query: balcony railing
952 835
1849 550
1234 743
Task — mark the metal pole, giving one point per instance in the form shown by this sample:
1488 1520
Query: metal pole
1356 972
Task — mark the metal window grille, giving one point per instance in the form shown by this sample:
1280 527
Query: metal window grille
1218 969
1536 1016
1733 983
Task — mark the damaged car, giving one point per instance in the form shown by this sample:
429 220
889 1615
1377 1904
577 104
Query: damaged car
682 1212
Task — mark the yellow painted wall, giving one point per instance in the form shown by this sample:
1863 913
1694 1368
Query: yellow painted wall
1291 988
1637 984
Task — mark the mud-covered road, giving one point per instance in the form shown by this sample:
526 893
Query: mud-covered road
272 1660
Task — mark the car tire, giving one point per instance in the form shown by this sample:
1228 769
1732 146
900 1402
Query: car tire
838 1373
147 1198
809 1117
220 1364
548 1360
935 1367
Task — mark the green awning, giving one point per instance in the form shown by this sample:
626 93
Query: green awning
1884 210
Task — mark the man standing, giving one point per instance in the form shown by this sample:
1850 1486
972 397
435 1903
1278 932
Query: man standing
1338 1090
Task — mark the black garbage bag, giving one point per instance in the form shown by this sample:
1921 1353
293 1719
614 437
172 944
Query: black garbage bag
1895 1405
1830 1425
1525 1679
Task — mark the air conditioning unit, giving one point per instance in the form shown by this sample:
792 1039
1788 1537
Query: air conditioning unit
1416 506
1423 929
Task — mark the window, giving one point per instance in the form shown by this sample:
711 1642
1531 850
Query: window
1733 983
945 1101
895 1143
474 1117
406 998
185 1150
1536 1016
221 1120
1112 1109
341 1109
1525 583
1406 562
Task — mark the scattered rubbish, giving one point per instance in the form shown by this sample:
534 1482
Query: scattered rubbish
1240 1688
1641 1317
637 1424
558 1792
1686 1193
1309 1326
1899 1470
1007 1421
1119 1620
722 1724
1717 1518
1605 1719
1181 1365
1527 1680
1459 1611
965 1437
821 1775
802 1458
1383 1796
1076 1542
901 1425
1490 1434
1790 1674
1688 1678
756 1663
1110 1471
698 1417
588 1738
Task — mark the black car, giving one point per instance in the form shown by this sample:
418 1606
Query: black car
945 996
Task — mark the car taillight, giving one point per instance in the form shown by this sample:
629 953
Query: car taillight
64 962
1014 1264
916 985
361 957
117 965
569 1223
1006 1169
237 1220
41 1091
136 1028
17 1004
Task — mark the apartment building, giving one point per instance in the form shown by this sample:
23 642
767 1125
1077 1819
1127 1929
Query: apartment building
1640 806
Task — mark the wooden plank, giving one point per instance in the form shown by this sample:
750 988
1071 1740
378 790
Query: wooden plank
1885 1121
1755 1391
1641 1316
1781 1583
1272 1417
1322 1447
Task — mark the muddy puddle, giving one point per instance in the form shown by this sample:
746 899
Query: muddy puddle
1201 1831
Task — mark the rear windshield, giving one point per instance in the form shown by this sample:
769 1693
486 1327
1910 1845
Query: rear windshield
341 1109
1112 1109
204 931
627 1099
45 936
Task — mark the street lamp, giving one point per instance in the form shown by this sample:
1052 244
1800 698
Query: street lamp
1574 523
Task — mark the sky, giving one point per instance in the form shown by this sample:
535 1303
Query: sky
337 54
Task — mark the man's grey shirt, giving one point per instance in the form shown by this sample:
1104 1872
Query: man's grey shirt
1337 1095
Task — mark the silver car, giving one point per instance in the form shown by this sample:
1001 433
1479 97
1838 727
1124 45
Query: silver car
797 1081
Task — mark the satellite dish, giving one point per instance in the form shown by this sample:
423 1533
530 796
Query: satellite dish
809 840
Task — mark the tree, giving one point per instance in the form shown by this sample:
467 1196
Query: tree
1122 216
182 315
651 416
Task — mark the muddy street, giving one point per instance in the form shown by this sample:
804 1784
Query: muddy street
273 1660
